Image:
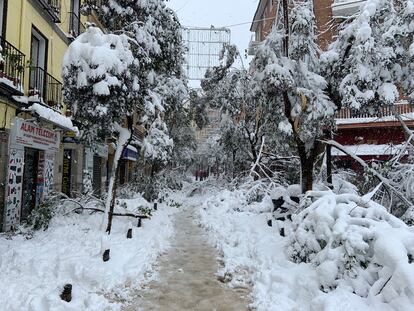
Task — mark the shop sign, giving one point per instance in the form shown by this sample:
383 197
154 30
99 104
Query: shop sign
30 135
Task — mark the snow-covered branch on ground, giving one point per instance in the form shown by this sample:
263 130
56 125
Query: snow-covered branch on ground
356 244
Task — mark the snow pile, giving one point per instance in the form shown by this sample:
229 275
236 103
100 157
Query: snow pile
53 116
356 245
34 271
253 253
352 231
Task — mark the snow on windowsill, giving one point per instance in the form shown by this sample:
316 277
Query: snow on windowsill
11 84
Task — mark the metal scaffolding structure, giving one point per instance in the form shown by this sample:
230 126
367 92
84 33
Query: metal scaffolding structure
203 48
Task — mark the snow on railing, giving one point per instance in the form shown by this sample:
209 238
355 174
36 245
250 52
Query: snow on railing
345 8
12 64
400 109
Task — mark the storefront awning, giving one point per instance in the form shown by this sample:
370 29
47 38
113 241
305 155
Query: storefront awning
130 153
53 116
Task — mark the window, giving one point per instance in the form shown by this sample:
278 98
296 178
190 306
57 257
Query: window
3 14
38 59
74 27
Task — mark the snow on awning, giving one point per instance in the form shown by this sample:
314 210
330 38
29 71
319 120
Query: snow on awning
369 150
53 116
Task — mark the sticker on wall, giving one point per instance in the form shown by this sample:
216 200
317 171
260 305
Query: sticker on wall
48 174
14 188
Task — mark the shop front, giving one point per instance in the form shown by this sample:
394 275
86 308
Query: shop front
127 164
95 169
32 150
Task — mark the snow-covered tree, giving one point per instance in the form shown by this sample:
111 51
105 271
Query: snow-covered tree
246 113
101 86
198 109
158 145
286 68
156 41
370 63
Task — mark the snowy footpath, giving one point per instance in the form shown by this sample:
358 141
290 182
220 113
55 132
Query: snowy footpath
187 273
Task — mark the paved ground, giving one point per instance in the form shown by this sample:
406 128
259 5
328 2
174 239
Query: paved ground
187 276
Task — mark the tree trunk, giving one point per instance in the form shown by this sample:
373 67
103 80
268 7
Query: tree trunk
112 207
306 174
307 163
110 203
329 166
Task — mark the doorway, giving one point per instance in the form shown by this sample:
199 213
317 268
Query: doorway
32 180
97 175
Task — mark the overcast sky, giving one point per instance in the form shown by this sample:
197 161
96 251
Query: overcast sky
219 13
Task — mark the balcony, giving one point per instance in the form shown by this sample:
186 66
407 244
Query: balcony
44 88
52 8
12 63
346 8
347 118
75 25
253 44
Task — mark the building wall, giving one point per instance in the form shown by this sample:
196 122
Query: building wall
6 114
325 24
22 15
268 17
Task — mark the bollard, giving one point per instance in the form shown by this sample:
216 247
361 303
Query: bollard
139 223
155 206
269 223
66 294
129 234
106 256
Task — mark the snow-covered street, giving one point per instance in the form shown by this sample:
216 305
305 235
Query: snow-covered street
187 274
35 268
177 155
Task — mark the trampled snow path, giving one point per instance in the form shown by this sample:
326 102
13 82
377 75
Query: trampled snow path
187 279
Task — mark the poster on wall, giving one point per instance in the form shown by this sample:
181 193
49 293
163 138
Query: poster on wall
67 171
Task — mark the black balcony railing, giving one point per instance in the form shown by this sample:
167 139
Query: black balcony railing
44 87
52 8
75 25
12 64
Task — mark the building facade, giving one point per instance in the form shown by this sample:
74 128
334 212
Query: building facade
39 147
372 137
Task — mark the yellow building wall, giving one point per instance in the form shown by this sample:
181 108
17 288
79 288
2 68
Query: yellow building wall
22 15
6 114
